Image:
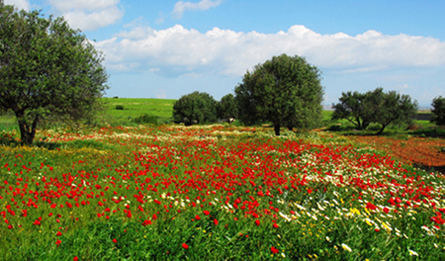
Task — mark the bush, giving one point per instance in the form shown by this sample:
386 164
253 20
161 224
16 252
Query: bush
150 119
119 107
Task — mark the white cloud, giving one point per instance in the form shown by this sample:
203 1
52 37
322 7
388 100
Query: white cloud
19 4
88 15
70 5
180 7
177 51
90 21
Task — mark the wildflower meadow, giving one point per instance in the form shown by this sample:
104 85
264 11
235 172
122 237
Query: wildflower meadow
215 192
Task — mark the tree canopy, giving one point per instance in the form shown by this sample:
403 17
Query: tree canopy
46 69
195 107
227 107
353 108
285 91
375 107
438 111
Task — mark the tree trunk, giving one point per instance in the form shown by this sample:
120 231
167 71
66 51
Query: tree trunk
27 133
276 127
381 130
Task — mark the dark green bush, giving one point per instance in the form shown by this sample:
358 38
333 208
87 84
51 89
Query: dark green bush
150 119
119 107
438 111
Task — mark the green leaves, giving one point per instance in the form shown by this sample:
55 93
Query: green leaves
284 90
375 107
438 111
46 68
227 107
195 108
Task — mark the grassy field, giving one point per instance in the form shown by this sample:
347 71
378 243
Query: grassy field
133 107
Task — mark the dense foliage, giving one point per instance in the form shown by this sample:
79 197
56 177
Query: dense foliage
194 108
227 107
375 107
352 107
46 69
285 91
438 111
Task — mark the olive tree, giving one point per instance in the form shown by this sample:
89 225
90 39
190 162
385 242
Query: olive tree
353 108
285 91
196 107
438 111
227 107
375 107
392 108
46 69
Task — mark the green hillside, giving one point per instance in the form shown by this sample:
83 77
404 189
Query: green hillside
134 107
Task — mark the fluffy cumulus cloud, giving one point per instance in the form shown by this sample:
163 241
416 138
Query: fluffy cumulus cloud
177 50
180 7
19 4
88 15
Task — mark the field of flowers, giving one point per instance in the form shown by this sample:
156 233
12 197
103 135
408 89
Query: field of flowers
427 152
213 193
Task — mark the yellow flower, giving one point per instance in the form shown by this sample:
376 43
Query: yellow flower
412 253
346 247
368 222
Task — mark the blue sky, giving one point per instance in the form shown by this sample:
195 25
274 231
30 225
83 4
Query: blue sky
166 49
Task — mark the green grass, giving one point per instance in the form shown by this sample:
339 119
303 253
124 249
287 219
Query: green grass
8 122
134 107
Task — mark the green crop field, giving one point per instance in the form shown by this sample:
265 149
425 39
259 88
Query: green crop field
134 107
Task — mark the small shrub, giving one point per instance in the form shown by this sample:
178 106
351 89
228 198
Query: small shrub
119 107
150 119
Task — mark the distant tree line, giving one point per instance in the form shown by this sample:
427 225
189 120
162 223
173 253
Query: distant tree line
286 92
362 109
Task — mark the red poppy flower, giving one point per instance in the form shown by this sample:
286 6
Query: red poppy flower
114 241
58 242
206 212
257 222
197 217
215 221
185 246
275 225
59 233
274 250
